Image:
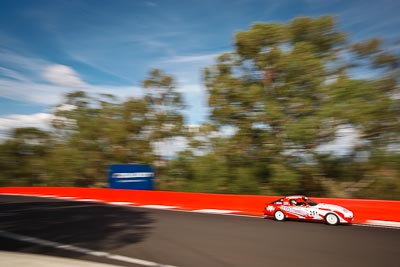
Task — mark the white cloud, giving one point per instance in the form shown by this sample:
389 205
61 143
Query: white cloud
191 88
99 66
122 92
28 64
40 93
193 58
31 92
27 83
170 147
15 85
32 80
346 139
65 107
11 74
63 75
188 67
38 120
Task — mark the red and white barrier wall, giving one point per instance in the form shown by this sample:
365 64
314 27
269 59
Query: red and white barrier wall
375 212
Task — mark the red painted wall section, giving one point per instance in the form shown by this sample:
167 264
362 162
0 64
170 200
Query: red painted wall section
364 209
244 204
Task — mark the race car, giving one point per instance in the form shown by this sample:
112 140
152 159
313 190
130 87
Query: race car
303 208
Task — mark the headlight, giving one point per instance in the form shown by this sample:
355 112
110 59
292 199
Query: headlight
347 213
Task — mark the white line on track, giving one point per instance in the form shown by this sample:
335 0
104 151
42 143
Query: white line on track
88 200
368 223
66 197
384 223
161 207
121 203
216 211
86 251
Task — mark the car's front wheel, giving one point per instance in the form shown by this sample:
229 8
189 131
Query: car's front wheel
331 219
279 215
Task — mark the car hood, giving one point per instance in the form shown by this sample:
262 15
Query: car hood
329 206
333 207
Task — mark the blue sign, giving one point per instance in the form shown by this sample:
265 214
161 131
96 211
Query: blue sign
131 176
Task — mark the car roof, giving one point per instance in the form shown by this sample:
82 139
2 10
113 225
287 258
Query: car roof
295 197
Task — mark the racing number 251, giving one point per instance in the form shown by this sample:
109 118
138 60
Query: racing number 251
312 213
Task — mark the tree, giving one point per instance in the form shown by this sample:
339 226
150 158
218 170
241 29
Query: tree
288 88
165 112
98 130
165 105
22 157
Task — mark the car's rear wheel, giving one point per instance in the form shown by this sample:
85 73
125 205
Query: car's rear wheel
331 219
279 215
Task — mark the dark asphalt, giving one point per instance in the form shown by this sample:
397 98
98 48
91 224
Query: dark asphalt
191 239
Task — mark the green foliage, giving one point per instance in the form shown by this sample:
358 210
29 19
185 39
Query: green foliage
165 105
288 88
90 132
284 180
19 156
284 92
367 47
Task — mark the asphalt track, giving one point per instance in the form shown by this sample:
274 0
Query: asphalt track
189 239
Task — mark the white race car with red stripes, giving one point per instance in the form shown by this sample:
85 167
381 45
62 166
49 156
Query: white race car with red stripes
303 208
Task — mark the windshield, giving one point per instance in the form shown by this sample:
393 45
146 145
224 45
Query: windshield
310 202
278 201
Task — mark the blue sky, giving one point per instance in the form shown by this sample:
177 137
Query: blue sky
50 47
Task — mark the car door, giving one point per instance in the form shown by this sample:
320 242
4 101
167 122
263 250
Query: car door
300 210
